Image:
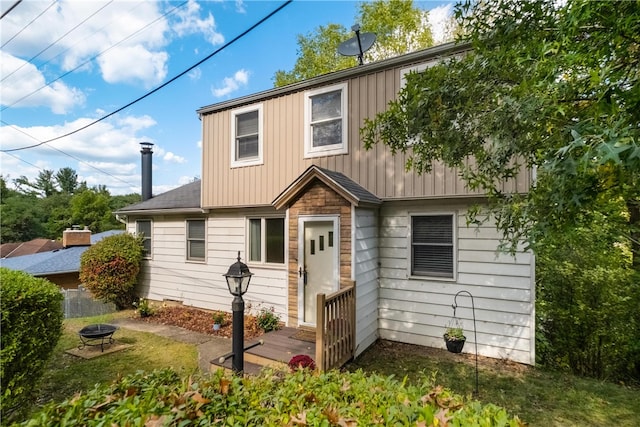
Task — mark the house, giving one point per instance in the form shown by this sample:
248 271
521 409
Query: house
287 183
9 250
60 266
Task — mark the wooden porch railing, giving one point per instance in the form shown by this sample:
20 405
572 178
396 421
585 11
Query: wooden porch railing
335 328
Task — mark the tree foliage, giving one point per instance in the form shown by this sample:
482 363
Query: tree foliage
109 269
400 26
550 88
31 324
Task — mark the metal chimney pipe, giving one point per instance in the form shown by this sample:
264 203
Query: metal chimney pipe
147 153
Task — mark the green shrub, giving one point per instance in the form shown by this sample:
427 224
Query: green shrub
268 320
109 269
31 325
273 398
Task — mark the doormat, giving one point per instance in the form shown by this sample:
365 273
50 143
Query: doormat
303 335
90 352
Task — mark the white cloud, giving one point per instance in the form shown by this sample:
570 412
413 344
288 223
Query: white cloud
172 158
189 22
195 74
199 144
58 97
439 19
150 68
240 8
231 84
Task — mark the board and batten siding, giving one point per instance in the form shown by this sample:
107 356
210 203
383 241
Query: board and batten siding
416 309
365 267
377 170
168 275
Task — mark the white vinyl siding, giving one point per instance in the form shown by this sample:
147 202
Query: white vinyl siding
144 228
365 267
196 239
416 309
168 276
326 121
246 139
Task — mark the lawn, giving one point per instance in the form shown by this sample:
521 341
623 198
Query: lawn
67 374
538 397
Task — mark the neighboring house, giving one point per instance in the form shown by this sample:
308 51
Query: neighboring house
9 250
60 266
286 181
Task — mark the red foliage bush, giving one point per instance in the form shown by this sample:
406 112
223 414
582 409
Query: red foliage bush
301 361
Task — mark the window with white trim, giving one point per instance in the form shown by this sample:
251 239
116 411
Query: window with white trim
266 240
143 228
325 112
432 245
196 239
246 136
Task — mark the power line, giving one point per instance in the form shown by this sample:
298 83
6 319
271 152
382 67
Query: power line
94 57
151 92
11 8
26 26
53 43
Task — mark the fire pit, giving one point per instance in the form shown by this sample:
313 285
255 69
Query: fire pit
98 334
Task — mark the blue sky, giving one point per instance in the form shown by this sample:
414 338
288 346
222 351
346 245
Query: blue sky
109 53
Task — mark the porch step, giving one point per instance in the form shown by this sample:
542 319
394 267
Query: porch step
278 348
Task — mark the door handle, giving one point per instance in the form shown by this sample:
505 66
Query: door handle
303 273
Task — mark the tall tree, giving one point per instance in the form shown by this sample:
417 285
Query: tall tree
91 208
400 26
548 86
67 180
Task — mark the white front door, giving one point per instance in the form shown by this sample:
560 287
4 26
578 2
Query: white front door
318 267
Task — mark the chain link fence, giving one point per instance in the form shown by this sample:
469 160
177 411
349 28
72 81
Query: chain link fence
80 303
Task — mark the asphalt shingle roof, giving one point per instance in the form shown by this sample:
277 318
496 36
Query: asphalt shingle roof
185 197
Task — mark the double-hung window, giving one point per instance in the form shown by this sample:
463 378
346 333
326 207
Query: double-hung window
196 233
326 121
246 138
432 245
266 240
143 228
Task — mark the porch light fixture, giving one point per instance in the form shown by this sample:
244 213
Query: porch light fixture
238 278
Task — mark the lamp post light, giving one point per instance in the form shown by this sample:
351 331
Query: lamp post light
238 278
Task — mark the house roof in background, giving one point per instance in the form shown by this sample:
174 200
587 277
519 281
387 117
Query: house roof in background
181 199
58 261
31 247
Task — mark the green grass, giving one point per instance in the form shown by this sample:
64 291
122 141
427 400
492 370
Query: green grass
66 374
539 398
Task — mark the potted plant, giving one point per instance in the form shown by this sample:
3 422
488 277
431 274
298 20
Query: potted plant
218 319
454 338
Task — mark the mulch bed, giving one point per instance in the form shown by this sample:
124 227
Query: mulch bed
201 321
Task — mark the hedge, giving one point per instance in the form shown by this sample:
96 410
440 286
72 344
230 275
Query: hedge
31 325
273 398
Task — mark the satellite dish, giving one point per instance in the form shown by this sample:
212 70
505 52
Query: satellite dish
358 45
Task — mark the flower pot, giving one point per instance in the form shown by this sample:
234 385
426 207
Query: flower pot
216 326
454 345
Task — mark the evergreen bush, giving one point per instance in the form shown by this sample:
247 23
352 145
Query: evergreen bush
31 326
109 269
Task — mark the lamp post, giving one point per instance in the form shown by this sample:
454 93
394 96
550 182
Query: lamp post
238 278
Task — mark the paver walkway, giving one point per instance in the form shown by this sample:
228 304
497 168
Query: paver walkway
209 347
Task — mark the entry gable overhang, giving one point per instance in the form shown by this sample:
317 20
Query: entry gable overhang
350 190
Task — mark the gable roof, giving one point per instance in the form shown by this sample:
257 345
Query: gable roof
31 247
183 199
59 261
338 182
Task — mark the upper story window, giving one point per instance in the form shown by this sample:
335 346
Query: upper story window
196 242
432 245
246 136
266 240
143 228
325 112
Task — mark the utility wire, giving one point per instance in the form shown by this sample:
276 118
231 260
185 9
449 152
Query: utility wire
151 92
10 9
53 43
94 57
26 26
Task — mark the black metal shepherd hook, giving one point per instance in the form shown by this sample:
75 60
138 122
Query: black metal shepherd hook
475 335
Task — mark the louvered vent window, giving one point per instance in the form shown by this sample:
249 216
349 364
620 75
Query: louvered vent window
432 245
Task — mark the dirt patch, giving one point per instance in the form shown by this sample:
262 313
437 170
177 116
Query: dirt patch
201 321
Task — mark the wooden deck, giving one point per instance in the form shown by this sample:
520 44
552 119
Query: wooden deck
278 348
